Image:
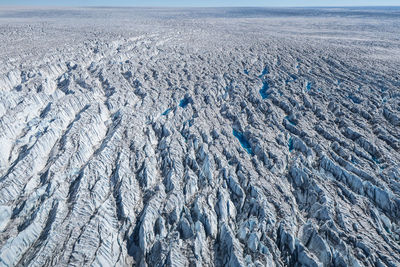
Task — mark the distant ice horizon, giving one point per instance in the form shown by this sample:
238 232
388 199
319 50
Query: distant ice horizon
203 3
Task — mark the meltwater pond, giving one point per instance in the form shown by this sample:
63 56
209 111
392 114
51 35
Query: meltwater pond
185 101
308 87
290 144
166 112
243 141
265 71
263 90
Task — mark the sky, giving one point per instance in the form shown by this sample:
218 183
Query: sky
202 3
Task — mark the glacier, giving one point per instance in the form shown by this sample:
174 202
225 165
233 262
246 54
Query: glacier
199 136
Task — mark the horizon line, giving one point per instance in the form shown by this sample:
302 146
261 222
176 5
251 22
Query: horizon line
180 6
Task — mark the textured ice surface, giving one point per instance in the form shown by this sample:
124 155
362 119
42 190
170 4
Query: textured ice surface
117 145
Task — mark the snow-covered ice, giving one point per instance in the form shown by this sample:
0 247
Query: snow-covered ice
199 137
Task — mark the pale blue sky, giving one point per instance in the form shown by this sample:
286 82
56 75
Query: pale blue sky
201 2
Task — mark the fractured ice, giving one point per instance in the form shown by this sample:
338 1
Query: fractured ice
199 137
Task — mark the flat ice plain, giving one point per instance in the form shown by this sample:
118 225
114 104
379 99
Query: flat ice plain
199 137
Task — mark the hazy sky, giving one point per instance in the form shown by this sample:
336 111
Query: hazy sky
203 2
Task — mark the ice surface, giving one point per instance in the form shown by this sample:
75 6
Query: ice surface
199 137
